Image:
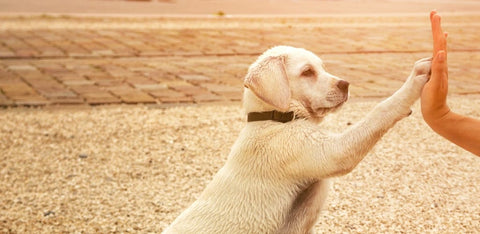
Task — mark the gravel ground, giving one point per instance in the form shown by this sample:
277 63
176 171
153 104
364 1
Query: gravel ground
135 168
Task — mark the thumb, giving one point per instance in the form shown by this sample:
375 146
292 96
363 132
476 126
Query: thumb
438 63
440 56
439 73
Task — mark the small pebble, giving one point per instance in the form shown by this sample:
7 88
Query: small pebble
48 213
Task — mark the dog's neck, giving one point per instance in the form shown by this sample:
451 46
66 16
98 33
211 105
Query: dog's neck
251 103
258 110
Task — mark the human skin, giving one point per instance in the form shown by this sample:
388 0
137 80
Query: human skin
462 130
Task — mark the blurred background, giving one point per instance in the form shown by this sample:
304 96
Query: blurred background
156 7
125 51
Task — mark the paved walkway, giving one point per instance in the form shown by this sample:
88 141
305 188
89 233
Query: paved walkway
102 60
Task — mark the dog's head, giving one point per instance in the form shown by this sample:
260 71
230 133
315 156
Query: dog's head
292 79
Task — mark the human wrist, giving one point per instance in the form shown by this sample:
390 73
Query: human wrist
438 117
434 111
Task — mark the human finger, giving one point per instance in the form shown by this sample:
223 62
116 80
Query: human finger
439 42
439 76
433 12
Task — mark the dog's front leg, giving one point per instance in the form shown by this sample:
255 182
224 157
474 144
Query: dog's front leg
341 153
344 151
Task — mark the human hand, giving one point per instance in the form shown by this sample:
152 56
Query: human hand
434 94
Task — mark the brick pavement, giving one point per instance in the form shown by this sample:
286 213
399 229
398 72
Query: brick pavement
75 60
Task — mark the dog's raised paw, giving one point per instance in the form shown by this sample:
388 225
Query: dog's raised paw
422 67
420 73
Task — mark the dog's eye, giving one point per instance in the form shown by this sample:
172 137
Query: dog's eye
308 73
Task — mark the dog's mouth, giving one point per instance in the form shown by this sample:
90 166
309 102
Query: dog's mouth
320 112
317 113
337 101
324 110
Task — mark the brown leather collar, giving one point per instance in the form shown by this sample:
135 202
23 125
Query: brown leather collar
277 116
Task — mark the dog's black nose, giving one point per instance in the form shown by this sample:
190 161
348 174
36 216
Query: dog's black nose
343 85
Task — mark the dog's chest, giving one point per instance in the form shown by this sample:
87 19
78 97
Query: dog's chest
236 204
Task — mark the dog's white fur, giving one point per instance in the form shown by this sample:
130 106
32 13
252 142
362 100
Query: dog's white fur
275 179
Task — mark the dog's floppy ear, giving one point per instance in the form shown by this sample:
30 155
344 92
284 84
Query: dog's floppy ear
268 81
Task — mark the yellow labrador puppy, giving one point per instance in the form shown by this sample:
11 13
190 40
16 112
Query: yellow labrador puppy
275 179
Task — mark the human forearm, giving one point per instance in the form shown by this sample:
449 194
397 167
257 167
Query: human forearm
461 130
